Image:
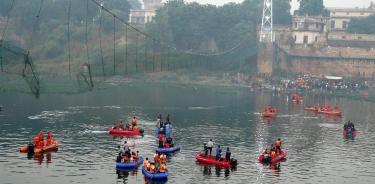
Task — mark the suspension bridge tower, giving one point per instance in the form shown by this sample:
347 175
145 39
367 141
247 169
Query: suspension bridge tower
266 35
266 38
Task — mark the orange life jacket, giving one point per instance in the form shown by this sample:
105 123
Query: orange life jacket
41 144
156 157
36 140
278 143
273 154
40 135
49 135
162 168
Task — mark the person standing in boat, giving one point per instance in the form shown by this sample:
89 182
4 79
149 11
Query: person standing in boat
134 121
127 148
205 149
218 152
158 121
336 108
168 118
278 145
161 140
227 154
121 125
210 144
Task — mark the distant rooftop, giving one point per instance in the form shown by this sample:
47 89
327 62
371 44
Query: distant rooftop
371 8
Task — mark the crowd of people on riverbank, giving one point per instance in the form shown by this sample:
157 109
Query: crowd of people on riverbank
312 83
308 82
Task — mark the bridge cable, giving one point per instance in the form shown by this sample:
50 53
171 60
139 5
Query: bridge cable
126 49
136 53
69 56
100 39
114 45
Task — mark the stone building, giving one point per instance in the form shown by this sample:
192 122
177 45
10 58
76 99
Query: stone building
320 46
146 14
309 30
340 17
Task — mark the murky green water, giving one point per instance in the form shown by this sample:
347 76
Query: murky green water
317 151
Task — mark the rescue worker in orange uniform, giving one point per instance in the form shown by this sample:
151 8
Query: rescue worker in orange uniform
163 168
49 138
41 144
156 158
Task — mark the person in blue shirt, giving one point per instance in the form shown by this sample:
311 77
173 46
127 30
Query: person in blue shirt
218 152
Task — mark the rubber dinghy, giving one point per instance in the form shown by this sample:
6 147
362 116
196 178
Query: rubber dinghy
173 149
211 160
311 109
282 155
154 176
52 147
269 114
329 113
134 132
129 165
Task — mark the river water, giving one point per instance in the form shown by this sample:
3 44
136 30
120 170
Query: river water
317 151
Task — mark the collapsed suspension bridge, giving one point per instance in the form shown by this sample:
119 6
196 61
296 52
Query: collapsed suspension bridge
141 52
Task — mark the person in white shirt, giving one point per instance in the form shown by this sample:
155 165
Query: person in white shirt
210 144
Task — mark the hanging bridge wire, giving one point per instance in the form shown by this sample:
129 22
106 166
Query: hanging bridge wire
126 49
100 37
69 56
114 45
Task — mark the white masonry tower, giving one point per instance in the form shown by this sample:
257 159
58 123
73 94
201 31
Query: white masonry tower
266 35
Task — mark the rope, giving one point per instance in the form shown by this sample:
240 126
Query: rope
100 39
36 23
114 45
153 62
69 12
136 53
86 34
145 56
126 49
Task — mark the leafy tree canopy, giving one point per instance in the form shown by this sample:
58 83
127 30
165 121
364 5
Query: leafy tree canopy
362 25
312 8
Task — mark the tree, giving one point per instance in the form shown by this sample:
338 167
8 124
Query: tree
281 12
312 8
192 26
362 25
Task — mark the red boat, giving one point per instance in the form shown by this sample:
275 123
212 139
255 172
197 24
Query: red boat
134 132
282 155
269 114
330 113
311 109
211 160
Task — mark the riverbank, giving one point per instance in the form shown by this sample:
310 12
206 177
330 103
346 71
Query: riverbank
224 82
